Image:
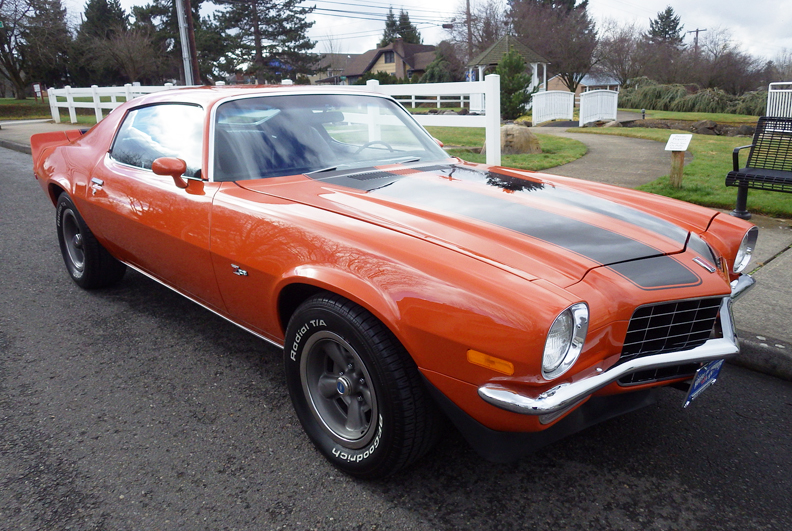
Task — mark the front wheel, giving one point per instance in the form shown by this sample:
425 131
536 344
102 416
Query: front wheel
355 389
89 264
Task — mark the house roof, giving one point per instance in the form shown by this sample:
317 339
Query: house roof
492 55
595 80
414 55
334 60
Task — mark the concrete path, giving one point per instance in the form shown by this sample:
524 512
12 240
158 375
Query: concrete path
619 160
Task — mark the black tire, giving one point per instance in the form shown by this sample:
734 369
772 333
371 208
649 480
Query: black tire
371 417
88 263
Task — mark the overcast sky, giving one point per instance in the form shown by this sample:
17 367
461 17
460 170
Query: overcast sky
762 28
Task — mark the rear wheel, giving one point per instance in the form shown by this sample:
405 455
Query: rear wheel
89 264
355 389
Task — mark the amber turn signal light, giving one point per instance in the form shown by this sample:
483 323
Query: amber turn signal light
490 362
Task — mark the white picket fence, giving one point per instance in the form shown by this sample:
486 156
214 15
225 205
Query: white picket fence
552 105
65 98
488 90
779 100
598 105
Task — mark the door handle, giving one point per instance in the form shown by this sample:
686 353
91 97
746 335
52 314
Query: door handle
96 185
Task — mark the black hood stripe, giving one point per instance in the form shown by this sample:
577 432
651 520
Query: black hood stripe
600 245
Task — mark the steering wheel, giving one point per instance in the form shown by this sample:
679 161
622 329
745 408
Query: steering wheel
373 143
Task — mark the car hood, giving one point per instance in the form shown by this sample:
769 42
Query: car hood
535 225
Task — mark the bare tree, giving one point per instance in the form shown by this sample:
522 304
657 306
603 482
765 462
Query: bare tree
721 64
132 52
782 64
14 15
488 23
565 35
621 51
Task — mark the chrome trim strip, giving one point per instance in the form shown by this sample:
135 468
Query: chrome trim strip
567 394
202 305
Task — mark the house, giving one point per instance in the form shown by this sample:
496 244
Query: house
398 58
330 67
589 82
489 59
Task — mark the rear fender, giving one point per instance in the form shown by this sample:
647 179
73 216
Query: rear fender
42 144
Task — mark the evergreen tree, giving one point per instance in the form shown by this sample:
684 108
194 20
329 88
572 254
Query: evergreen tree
391 32
665 29
269 35
407 31
47 43
103 18
160 20
514 84
399 28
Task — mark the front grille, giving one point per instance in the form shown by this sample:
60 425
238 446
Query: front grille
663 373
670 327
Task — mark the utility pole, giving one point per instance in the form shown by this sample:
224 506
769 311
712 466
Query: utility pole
695 39
191 36
469 32
185 46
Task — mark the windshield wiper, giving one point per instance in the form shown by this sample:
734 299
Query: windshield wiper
329 168
404 160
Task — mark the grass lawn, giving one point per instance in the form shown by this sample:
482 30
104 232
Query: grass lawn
720 117
703 178
30 109
555 150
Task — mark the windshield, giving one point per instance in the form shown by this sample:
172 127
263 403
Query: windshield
271 136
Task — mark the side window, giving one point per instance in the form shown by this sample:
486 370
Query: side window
167 130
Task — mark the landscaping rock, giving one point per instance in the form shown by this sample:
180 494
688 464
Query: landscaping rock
614 123
463 111
517 139
746 130
705 127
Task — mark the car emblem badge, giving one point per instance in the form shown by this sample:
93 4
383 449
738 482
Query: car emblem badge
239 271
706 265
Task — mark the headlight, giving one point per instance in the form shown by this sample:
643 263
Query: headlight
565 340
746 250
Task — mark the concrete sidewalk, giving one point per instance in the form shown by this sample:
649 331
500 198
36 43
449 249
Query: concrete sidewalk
763 316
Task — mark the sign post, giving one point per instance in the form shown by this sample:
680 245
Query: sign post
677 145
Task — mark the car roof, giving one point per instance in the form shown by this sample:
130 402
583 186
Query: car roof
207 96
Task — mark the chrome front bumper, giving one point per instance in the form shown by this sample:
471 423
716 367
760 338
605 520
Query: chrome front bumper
568 394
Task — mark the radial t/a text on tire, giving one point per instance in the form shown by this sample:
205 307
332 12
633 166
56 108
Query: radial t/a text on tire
355 389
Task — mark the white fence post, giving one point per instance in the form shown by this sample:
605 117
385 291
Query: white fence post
779 100
128 91
493 118
70 103
598 105
97 100
53 101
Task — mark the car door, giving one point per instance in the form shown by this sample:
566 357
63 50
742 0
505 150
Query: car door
145 219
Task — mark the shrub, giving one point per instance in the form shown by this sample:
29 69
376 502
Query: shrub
707 100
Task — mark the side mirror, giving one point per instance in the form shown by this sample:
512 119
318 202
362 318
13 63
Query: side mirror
438 142
173 167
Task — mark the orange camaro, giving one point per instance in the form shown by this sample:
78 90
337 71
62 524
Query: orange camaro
402 284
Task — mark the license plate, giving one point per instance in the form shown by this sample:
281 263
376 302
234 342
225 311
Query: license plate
705 376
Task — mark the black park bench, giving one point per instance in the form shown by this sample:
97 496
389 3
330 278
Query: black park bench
769 164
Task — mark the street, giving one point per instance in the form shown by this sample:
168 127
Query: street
133 408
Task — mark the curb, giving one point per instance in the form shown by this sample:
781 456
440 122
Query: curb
764 354
15 146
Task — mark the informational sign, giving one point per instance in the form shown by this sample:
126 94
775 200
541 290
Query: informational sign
678 142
